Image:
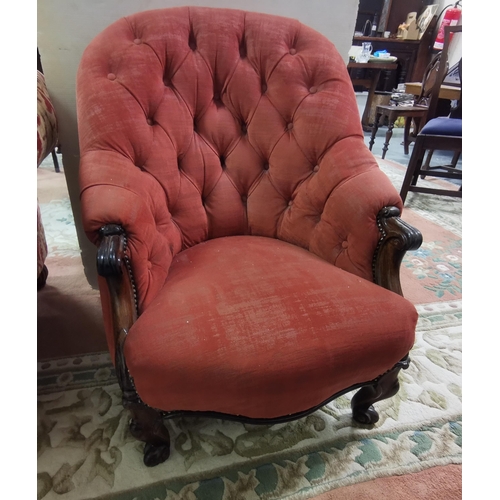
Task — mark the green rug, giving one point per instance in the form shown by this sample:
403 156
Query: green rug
85 449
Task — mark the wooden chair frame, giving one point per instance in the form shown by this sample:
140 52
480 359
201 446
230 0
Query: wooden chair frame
431 142
415 115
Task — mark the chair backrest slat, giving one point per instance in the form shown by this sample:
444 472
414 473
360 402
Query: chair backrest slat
443 69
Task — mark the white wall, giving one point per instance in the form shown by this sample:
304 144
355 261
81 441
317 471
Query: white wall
65 28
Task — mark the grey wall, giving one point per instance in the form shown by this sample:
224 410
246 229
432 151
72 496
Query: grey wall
65 27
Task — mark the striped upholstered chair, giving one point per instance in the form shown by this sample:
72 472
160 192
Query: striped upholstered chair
248 244
46 142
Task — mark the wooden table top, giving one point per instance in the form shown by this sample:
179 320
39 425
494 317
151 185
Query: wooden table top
384 40
445 92
372 65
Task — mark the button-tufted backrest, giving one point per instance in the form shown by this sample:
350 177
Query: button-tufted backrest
197 123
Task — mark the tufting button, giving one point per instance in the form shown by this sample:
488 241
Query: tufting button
289 126
111 76
290 203
192 40
264 88
265 166
316 168
150 265
150 121
313 90
345 244
244 199
293 51
216 97
137 41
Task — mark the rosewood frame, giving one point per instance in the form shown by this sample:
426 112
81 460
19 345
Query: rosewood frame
146 424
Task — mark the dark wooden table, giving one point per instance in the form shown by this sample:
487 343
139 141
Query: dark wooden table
370 83
445 91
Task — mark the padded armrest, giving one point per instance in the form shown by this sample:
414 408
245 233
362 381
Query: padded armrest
336 212
114 191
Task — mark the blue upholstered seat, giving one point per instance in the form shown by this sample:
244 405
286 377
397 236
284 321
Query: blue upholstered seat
443 126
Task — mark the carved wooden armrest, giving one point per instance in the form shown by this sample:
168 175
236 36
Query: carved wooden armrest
397 237
114 266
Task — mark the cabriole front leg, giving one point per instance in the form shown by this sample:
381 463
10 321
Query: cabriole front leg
147 425
383 387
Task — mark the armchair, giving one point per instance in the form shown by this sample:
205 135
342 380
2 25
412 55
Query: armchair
248 244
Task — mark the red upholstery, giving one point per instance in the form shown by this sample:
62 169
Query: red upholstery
197 124
262 328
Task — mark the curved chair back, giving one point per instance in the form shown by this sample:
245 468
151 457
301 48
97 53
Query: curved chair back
429 79
442 71
222 122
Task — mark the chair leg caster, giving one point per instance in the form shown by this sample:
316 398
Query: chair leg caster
365 416
155 454
147 425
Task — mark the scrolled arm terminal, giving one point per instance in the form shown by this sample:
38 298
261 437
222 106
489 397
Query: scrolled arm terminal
397 237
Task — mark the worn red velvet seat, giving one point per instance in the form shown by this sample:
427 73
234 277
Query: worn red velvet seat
248 244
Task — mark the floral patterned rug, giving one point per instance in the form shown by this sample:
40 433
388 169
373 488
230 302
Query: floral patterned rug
434 271
85 449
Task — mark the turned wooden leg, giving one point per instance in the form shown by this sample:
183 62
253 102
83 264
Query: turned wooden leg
374 130
382 388
406 136
147 425
55 161
388 136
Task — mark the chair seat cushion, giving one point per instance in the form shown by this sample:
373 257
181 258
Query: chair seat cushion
443 126
254 326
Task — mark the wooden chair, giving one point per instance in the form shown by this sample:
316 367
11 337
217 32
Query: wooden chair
415 115
442 134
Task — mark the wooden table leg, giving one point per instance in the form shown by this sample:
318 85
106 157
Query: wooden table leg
369 100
